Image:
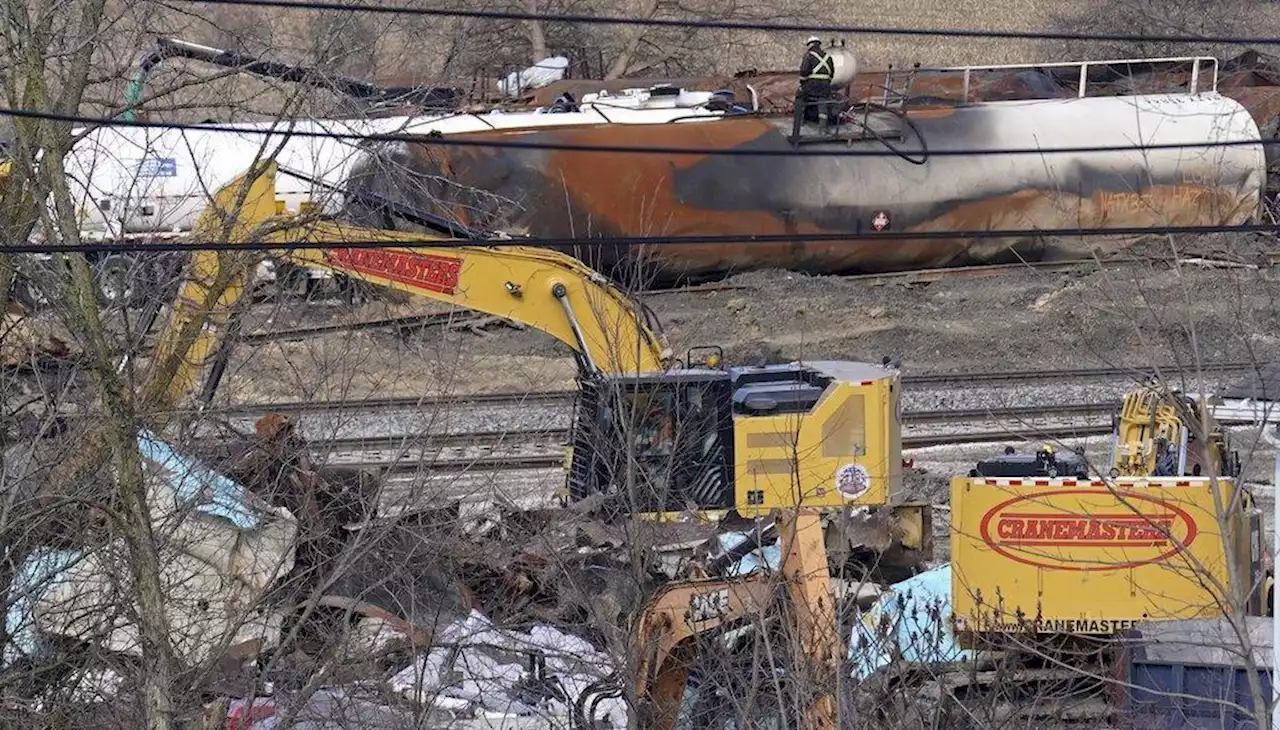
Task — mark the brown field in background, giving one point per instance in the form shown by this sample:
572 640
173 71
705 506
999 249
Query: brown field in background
456 52
1126 17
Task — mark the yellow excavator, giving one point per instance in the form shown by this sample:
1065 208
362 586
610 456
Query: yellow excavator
802 444
796 443
654 436
675 628
1161 432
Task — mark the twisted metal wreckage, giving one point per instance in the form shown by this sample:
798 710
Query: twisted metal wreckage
249 544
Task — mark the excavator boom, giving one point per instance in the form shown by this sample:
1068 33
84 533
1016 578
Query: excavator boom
685 612
539 288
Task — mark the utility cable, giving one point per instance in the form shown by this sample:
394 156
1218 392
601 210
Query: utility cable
440 140
734 24
623 241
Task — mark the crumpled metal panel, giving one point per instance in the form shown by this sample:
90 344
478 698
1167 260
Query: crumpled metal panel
221 548
583 194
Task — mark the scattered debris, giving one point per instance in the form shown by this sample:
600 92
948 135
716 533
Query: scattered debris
479 623
1217 264
25 349
479 325
476 667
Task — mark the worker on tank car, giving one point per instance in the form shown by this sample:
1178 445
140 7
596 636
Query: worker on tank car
816 72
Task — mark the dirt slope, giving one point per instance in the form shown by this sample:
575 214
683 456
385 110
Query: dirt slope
1128 314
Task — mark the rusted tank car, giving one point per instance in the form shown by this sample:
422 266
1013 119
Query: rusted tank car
583 194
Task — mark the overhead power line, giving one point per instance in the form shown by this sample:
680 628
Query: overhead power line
733 24
448 141
624 241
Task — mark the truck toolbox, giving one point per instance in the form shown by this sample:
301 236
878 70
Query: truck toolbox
1192 675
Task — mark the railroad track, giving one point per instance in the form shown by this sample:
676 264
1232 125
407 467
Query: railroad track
544 448
564 397
1020 376
461 319
560 435
519 462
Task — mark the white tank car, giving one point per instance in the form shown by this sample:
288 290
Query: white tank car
1218 178
161 180
1208 167
131 180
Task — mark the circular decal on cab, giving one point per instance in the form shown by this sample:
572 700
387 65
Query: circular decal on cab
853 480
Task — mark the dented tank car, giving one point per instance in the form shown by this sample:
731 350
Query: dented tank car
912 188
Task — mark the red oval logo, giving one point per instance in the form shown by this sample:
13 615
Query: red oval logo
1117 532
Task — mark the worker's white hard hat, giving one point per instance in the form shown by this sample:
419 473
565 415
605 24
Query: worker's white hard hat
813 39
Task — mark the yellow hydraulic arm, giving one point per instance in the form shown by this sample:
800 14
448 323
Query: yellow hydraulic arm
683 611
539 288
1161 433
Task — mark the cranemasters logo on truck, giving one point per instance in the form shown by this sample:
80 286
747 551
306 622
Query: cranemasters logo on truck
1087 530
424 271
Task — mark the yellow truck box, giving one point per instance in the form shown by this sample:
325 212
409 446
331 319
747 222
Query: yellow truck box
1080 556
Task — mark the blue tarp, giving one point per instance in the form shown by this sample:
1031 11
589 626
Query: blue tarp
192 481
195 482
33 578
911 622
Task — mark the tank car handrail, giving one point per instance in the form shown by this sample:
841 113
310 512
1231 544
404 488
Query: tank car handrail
1194 86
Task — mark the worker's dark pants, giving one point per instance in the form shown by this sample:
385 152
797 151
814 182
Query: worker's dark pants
815 94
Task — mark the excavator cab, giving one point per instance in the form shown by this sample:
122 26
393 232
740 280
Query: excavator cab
746 439
663 440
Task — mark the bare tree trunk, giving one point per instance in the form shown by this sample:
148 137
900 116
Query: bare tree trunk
59 86
153 626
634 36
537 35
120 436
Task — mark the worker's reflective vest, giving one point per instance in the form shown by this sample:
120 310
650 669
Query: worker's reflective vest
825 70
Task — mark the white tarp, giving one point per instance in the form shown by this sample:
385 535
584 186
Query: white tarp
220 549
546 71
477 665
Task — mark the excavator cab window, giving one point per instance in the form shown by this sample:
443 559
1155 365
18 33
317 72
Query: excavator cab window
663 441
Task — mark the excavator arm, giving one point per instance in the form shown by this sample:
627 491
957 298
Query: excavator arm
684 612
166 48
539 288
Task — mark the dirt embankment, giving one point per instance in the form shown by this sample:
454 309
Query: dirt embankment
1118 314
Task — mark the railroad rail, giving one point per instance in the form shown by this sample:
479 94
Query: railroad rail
519 462
553 397
558 435
544 448
465 319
